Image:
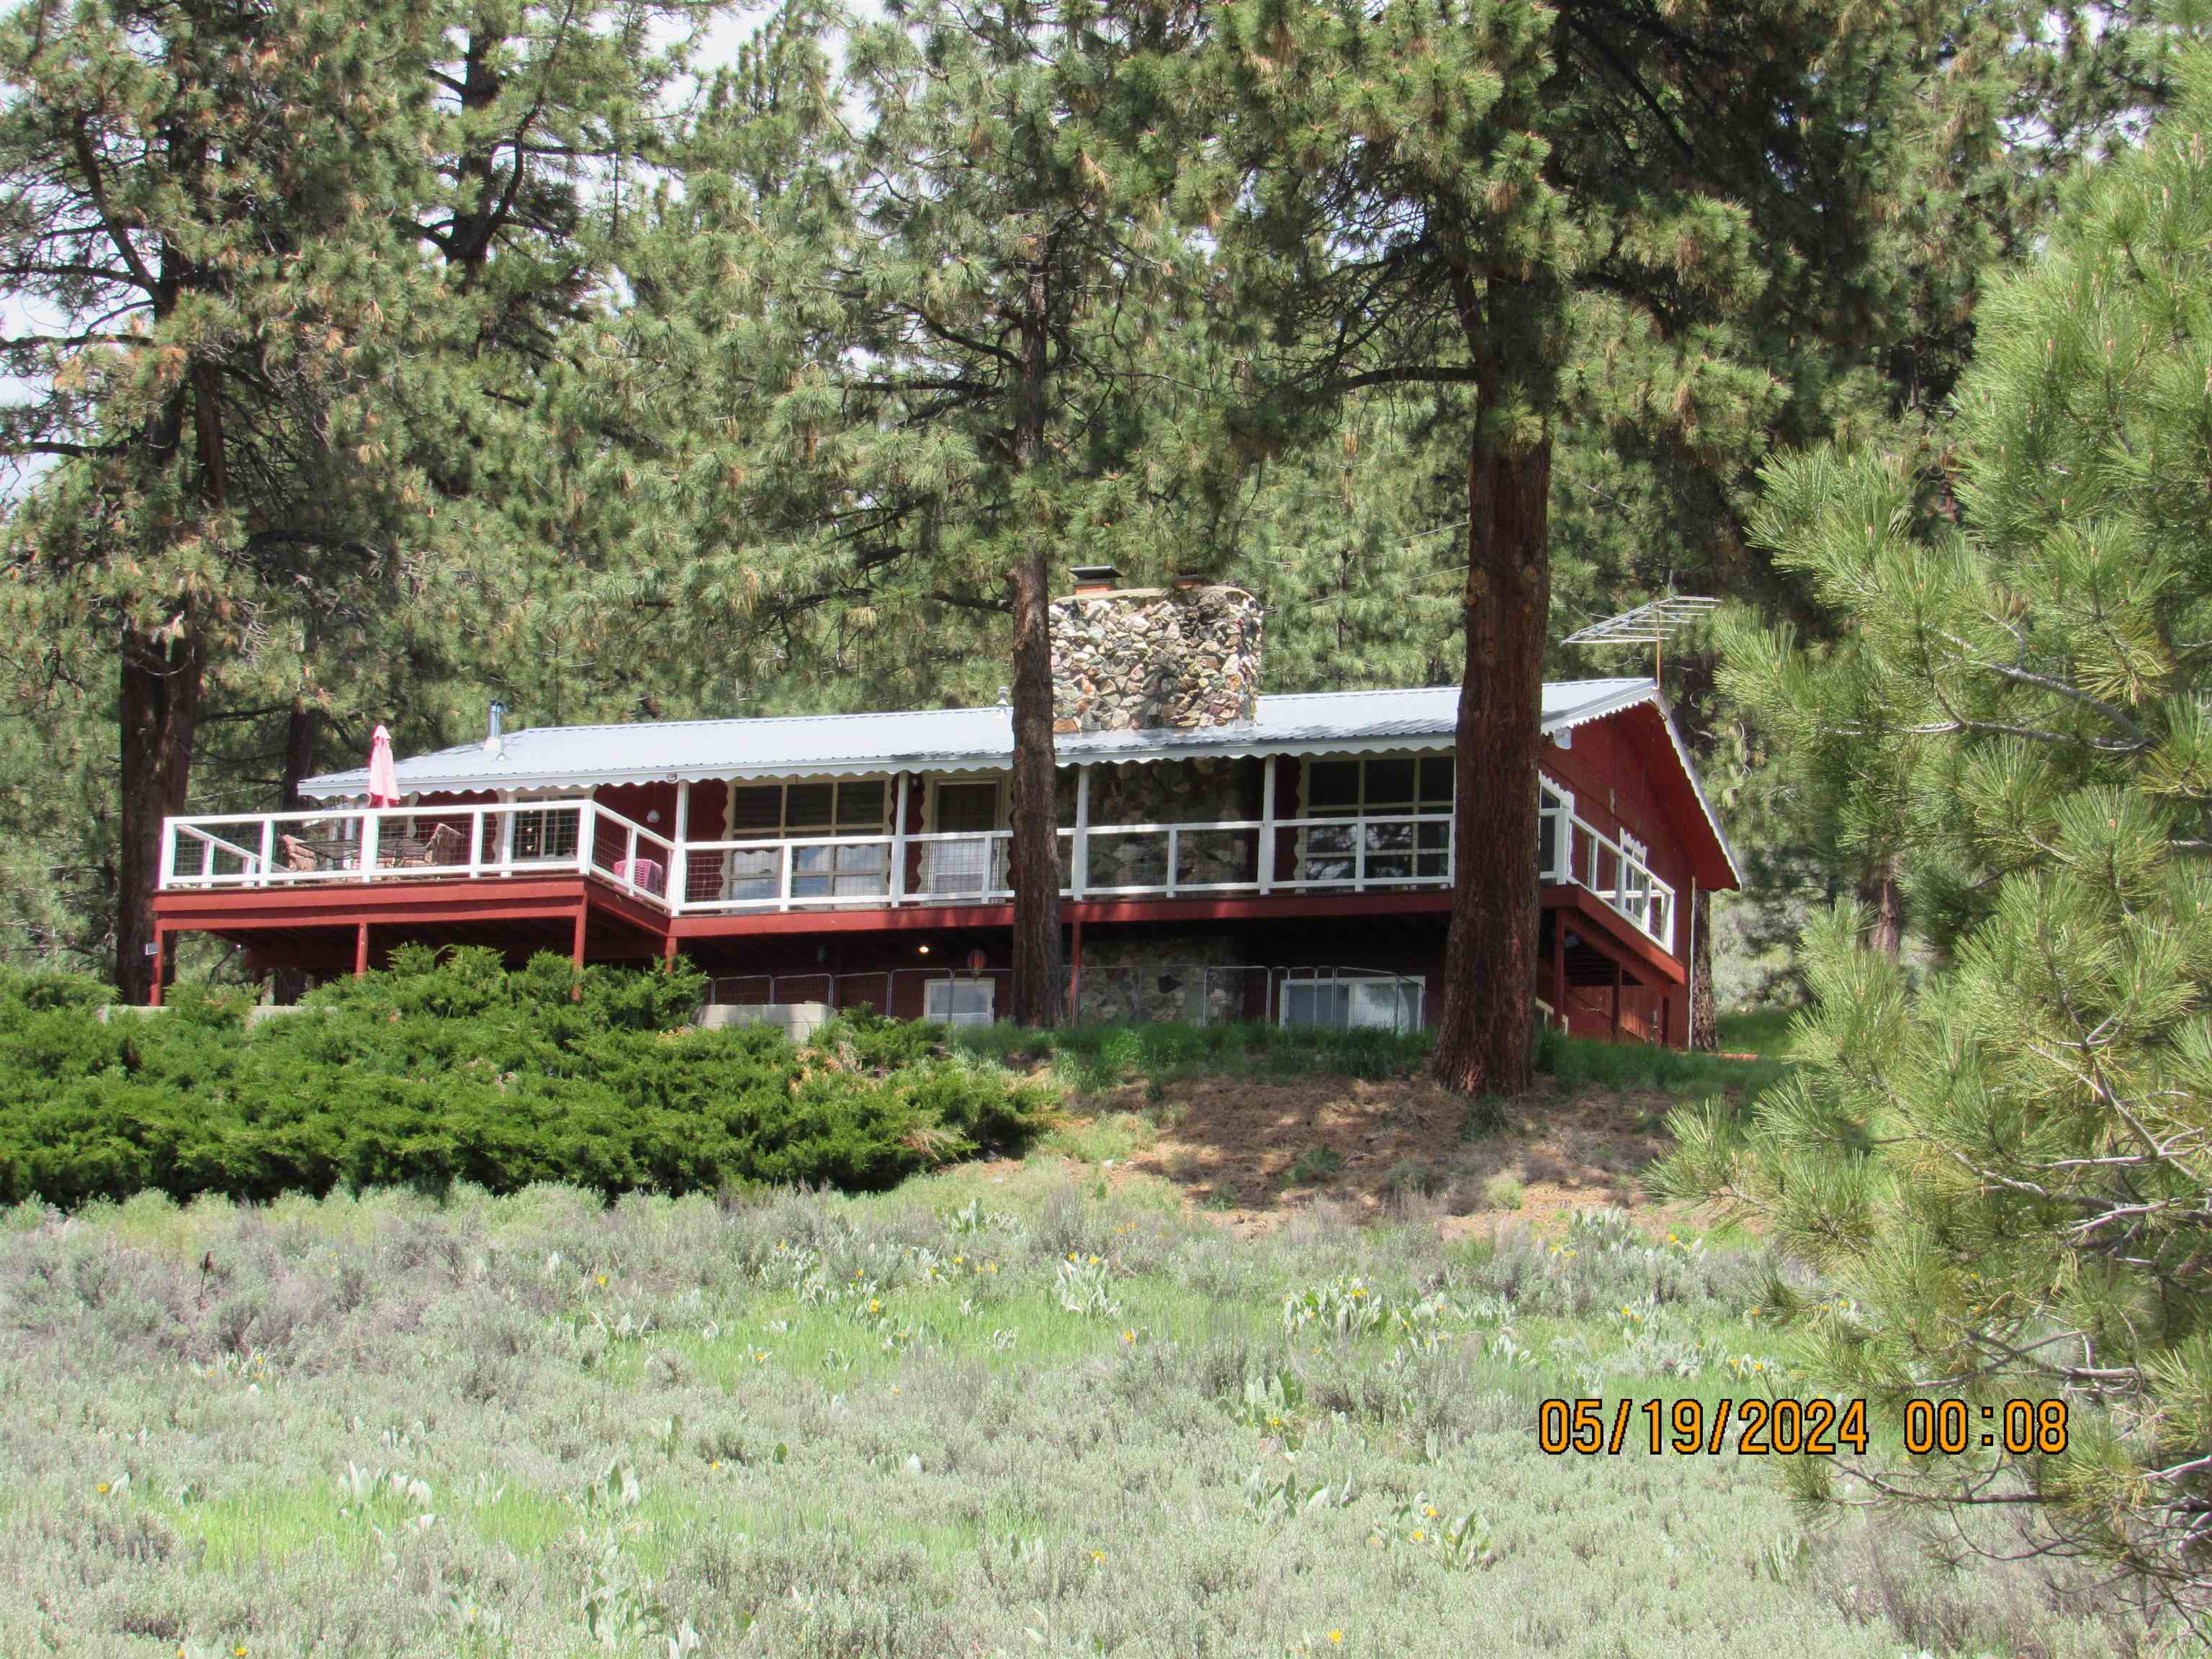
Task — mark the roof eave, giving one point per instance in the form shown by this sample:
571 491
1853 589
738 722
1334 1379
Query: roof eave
339 786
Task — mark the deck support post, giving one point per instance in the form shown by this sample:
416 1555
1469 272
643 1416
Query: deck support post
360 950
1617 977
576 952
1079 862
1266 870
898 839
1075 972
160 965
1559 968
679 868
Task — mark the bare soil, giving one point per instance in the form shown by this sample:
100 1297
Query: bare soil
1230 1144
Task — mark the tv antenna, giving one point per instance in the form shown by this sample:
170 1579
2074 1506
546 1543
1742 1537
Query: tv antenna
1651 625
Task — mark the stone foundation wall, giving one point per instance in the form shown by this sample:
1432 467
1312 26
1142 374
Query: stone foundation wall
1153 980
1144 658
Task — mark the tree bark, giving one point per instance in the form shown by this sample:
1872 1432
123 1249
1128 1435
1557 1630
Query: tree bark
159 712
287 985
1705 1013
1040 980
1040 987
1884 898
1485 1036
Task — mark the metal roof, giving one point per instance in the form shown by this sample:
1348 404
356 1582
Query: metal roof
944 739
569 758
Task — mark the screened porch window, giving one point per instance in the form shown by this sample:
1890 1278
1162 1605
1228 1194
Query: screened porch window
1380 786
798 812
1555 808
549 833
965 867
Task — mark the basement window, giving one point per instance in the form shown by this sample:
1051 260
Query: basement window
1383 1003
958 1001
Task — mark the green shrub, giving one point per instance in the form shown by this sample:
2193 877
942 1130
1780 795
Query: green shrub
1314 1166
445 1070
1503 1191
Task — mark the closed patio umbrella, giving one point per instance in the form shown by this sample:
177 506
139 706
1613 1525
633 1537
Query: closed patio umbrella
383 772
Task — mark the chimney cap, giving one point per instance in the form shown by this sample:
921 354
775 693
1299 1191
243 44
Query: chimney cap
1094 578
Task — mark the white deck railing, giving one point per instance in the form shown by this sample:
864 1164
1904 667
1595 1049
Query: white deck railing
1381 853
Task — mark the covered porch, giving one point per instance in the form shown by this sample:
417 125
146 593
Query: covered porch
715 854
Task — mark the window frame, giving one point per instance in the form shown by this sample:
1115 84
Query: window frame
860 870
1561 869
954 1017
1427 859
1401 984
939 782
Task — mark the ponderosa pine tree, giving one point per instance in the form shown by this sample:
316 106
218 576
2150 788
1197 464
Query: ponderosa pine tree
2004 1178
194 200
1492 196
1008 353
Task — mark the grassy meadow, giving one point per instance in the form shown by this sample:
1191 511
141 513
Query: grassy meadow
1008 1407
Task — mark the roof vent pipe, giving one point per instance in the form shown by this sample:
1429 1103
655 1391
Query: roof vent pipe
1096 579
496 728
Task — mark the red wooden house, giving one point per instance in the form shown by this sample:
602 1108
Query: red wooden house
1224 855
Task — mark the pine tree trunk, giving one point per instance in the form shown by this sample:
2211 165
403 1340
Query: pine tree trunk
1882 895
1705 1013
1484 1039
1040 987
288 985
159 712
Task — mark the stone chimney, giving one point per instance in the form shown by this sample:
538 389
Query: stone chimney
1127 659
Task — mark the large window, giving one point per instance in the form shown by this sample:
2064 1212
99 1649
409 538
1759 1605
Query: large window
1394 787
787 811
1382 1003
967 809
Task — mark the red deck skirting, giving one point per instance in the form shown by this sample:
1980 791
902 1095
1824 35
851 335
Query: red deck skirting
401 903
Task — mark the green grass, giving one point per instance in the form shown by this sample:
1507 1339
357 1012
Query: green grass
1761 1031
1577 1063
982 1413
1095 1057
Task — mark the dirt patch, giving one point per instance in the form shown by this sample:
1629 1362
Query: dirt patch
1249 1153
